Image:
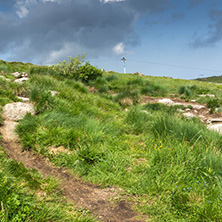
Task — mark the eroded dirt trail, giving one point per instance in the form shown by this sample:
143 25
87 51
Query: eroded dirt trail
86 195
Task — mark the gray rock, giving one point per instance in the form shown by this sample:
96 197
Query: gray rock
17 111
17 74
21 80
189 115
216 120
217 128
24 99
167 102
53 93
207 95
198 107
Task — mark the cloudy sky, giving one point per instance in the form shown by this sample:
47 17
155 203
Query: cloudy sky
177 38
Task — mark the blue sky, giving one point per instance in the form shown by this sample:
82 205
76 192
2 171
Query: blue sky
176 38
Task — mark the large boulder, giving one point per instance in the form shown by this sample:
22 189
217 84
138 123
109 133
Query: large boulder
17 111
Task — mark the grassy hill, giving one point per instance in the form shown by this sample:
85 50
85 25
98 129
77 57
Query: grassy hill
216 79
168 165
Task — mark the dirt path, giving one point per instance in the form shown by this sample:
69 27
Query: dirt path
199 110
86 195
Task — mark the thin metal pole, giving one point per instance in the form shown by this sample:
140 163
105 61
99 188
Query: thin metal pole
124 64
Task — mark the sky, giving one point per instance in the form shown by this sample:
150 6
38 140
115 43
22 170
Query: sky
173 38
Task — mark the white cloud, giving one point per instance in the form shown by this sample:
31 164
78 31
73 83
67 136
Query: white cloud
23 5
119 49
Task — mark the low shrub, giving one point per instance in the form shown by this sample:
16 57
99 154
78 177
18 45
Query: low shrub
88 73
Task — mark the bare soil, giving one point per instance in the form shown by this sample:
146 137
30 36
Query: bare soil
85 195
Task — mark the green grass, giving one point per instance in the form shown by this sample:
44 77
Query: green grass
171 165
26 196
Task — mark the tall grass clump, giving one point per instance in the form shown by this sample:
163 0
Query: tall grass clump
188 91
138 120
127 98
77 85
112 77
42 99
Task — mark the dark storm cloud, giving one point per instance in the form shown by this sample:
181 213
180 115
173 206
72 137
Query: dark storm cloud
214 34
90 24
195 3
152 6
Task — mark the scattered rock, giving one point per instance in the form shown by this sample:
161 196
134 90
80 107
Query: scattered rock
19 74
167 102
21 80
193 100
126 110
180 110
24 99
207 95
217 128
53 93
216 120
198 107
189 115
17 111
187 109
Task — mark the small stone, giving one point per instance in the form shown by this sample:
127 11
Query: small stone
24 99
207 95
189 115
17 74
193 100
198 107
53 93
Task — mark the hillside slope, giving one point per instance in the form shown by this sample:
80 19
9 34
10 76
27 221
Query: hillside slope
111 132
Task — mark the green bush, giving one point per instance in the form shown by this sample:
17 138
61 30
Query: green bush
70 67
88 73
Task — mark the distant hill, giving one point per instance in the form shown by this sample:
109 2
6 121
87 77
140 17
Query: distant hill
211 79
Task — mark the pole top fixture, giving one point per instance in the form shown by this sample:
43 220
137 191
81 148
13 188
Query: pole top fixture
123 59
